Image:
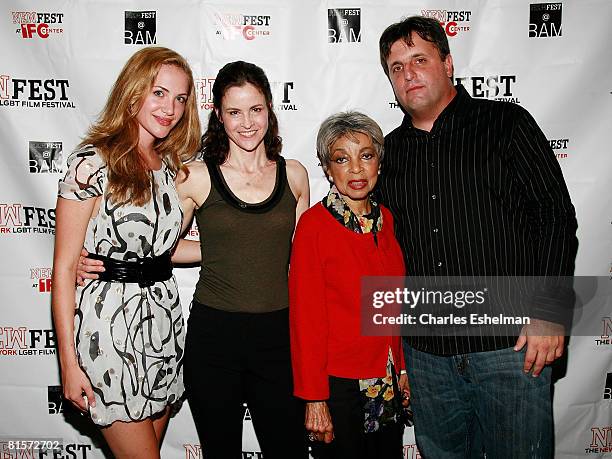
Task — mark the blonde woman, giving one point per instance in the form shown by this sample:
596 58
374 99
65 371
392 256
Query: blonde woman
121 342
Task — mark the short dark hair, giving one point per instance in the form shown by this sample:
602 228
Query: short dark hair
215 142
428 29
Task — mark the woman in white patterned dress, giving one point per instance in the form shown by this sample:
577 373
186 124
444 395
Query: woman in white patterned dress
121 343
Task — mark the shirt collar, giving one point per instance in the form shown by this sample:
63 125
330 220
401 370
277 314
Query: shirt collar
458 106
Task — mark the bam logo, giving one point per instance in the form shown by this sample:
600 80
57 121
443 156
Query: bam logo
495 87
545 20
17 218
344 25
18 92
55 400
21 341
601 440
453 22
33 24
607 395
204 95
604 339
140 28
46 157
41 278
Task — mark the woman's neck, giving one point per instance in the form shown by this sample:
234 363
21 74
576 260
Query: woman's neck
247 161
150 157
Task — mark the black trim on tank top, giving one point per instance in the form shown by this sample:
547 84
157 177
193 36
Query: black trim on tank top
218 181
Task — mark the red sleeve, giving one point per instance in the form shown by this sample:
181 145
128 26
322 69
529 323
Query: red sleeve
308 313
400 362
401 365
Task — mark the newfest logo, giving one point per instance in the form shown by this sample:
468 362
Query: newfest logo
204 96
46 157
607 393
193 233
41 25
606 332
20 219
411 452
344 25
493 87
140 28
193 451
41 278
26 448
601 440
21 341
559 146
21 92
232 26
545 20
281 91
453 22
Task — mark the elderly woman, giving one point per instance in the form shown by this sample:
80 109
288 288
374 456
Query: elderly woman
346 379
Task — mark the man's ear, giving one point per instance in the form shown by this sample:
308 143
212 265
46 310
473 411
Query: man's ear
448 65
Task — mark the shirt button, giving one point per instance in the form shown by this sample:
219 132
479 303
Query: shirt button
433 196
435 230
439 264
432 164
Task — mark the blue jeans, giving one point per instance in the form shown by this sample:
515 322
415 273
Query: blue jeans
482 401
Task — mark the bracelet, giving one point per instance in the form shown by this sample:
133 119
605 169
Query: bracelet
402 372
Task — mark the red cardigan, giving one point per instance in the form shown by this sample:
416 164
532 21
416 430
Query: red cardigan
327 263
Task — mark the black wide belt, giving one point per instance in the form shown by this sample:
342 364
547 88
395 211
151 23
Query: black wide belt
143 271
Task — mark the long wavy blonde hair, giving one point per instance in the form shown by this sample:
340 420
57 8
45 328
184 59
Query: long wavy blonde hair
115 133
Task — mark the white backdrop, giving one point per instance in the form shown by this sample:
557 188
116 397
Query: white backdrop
59 59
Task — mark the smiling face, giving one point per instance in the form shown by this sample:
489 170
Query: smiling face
353 167
244 114
164 105
420 78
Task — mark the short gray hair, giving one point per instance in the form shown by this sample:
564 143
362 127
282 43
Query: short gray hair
347 123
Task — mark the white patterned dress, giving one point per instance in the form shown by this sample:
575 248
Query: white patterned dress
129 340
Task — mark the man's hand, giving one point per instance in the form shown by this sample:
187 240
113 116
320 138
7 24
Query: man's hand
87 268
404 387
545 342
318 421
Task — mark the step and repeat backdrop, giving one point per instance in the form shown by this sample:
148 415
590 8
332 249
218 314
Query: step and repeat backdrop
60 58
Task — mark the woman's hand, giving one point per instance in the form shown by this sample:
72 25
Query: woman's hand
318 421
87 268
404 387
77 387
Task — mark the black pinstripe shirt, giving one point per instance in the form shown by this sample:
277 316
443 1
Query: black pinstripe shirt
482 194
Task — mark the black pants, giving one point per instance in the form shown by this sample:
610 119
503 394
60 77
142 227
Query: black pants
232 358
351 442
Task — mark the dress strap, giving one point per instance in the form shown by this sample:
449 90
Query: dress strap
217 180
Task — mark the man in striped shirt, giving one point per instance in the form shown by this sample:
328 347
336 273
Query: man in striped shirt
475 191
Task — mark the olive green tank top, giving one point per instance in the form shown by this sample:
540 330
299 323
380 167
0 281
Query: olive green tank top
245 247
